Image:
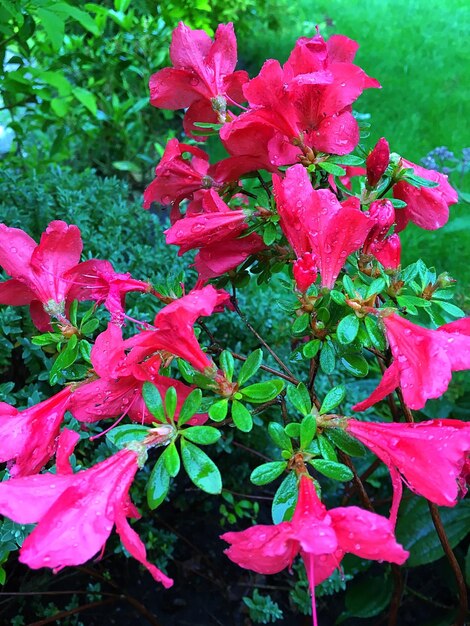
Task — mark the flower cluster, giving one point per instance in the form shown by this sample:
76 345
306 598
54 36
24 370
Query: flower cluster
290 198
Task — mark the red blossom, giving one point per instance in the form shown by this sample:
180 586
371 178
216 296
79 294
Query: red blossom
377 162
321 538
430 456
76 513
423 360
386 248
428 207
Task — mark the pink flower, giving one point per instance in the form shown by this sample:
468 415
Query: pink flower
377 162
118 390
28 438
386 248
76 513
306 104
38 271
220 257
202 77
428 207
305 271
96 280
314 221
430 456
321 538
423 360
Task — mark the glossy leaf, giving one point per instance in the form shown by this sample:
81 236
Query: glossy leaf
267 472
250 366
241 417
153 401
200 468
158 484
285 499
203 435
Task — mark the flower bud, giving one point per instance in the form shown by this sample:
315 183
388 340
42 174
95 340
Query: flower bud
377 162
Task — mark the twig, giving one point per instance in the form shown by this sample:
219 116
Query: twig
264 185
255 452
398 587
358 482
461 586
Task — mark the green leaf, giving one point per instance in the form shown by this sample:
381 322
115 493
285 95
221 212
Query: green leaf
227 364
375 333
88 328
250 366
331 168
300 398
85 350
122 435
263 392
327 358
203 435
355 364
368 597
53 25
310 349
292 430
190 406
86 98
47 339
330 469
171 400
332 399
65 359
278 435
398 204
308 428
218 411
60 106
326 449
345 442
449 308
348 159
415 529
158 484
419 181
267 472
301 324
241 417
269 234
338 297
376 286
171 459
127 166
200 468
84 19
285 499
349 286
347 329
153 401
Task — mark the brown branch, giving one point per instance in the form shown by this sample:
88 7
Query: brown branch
398 587
461 586
357 481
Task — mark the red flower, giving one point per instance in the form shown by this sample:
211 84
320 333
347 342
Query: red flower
76 513
430 456
428 207
202 77
321 538
386 248
38 271
96 280
306 104
314 221
220 257
118 390
377 162
29 437
423 361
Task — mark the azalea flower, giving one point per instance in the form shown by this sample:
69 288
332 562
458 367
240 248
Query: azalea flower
314 221
202 77
427 207
38 271
76 513
29 437
384 247
222 256
118 389
321 537
429 456
302 106
377 162
423 360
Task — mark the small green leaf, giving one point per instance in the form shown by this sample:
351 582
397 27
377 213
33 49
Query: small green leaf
347 329
285 499
241 417
47 339
376 286
263 392
267 472
310 349
122 435
227 364
331 168
449 308
171 458
330 469
326 449
269 234
300 398
301 324
200 468
278 435
203 435
158 484
218 411
292 430
327 358
171 400
250 366
398 204
345 442
65 359
419 181
88 328
308 428
85 350
375 333
332 399
190 406
349 286
355 364
153 401
87 98
338 297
